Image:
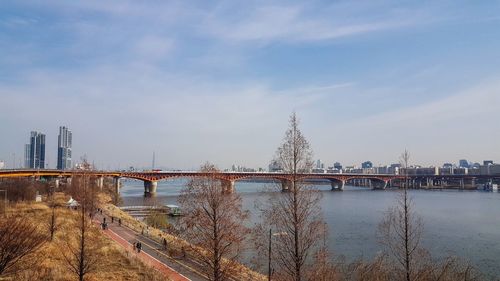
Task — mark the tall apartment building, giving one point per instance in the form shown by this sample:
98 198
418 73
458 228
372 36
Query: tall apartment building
34 152
64 141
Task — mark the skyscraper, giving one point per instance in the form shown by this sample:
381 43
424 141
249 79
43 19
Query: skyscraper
64 148
463 163
34 152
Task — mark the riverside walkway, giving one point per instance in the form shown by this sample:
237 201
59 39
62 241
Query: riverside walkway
152 253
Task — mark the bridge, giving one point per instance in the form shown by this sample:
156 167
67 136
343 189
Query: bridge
228 179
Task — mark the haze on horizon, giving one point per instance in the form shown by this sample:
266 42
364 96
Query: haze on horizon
197 81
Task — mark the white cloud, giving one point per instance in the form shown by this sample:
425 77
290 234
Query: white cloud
295 23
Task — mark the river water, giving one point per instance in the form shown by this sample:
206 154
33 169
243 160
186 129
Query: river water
461 223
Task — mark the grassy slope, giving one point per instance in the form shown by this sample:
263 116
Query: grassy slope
114 262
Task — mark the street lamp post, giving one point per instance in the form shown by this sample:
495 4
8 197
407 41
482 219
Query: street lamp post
269 269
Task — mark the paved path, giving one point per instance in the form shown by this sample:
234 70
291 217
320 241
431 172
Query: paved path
152 252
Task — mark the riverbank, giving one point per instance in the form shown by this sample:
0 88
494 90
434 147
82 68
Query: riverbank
49 262
178 248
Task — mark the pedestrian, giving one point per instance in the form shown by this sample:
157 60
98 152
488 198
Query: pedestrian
120 222
104 220
112 219
164 244
139 246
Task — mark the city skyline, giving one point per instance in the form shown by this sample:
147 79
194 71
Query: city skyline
196 82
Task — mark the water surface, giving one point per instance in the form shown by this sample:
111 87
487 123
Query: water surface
462 223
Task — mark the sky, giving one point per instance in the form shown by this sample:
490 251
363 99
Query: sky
197 81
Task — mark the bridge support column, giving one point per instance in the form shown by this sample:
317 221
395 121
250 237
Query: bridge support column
56 183
100 182
473 182
286 185
379 184
116 184
337 185
150 187
227 186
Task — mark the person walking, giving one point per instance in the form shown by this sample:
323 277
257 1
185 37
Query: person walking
119 221
112 219
164 244
139 247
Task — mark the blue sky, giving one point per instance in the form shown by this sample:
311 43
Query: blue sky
216 81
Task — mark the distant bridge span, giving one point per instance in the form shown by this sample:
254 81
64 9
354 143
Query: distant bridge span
228 179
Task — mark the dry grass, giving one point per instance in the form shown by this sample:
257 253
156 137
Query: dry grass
48 262
175 243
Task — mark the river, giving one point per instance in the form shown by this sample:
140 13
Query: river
461 223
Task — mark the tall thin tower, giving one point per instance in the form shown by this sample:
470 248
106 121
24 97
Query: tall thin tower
153 166
64 143
34 152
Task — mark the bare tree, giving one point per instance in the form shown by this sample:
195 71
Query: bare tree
52 225
19 238
296 214
401 229
213 223
81 252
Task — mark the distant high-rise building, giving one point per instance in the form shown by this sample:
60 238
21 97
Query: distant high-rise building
447 165
27 156
487 162
2 164
64 141
274 166
463 163
367 165
337 166
34 152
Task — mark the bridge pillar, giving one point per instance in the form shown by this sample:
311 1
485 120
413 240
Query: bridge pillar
227 186
337 185
56 183
116 184
286 185
150 186
100 182
379 184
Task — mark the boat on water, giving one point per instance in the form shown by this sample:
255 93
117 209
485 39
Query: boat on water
173 210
